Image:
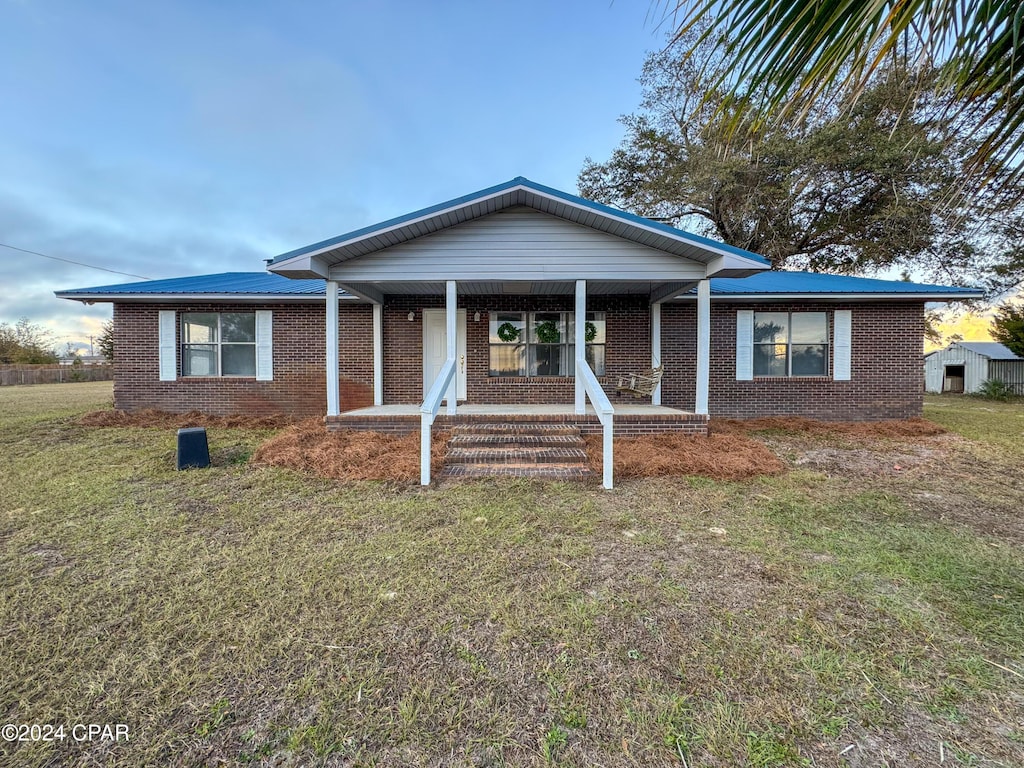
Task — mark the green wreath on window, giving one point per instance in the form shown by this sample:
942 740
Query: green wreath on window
547 332
508 332
590 332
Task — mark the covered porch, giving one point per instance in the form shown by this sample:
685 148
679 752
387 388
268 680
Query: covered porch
534 268
462 345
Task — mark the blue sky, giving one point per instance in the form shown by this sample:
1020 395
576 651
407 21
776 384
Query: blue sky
167 139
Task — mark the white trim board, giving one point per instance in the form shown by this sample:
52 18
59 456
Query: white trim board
756 298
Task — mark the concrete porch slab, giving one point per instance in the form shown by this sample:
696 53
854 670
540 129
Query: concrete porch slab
629 420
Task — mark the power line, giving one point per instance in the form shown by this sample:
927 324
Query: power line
71 261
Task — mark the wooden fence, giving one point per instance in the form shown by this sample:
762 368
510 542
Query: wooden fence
53 374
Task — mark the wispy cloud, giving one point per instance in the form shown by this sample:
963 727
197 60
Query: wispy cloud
174 139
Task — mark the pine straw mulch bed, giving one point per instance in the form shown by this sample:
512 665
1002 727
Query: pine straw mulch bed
348 454
894 428
861 449
721 457
162 419
728 453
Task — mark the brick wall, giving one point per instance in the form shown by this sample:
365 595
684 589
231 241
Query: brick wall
887 370
299 387
627 348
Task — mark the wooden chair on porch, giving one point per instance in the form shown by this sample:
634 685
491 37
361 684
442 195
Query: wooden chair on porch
640 384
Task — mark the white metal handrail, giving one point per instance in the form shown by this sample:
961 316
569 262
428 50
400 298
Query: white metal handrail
605 413
428 411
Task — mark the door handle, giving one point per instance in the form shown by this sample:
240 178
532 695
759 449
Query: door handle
462 364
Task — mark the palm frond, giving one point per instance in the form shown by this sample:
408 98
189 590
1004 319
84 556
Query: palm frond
786 53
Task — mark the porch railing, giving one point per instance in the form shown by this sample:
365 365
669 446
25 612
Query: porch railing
428 412
605 413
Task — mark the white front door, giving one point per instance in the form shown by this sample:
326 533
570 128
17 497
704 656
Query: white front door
435 348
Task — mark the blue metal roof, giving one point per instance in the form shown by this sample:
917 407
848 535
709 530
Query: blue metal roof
780 283
254 284
223 284
520 181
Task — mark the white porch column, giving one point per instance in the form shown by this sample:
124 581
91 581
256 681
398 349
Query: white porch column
580 322
656 348
378 354
333 404
703 345
451 322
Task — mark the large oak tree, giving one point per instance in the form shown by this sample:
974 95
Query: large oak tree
852 186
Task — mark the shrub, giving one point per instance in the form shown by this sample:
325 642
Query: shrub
994 389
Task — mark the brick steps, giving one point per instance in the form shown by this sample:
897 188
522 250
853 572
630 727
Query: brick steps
513 440
524 449
540 472
517 428
516 455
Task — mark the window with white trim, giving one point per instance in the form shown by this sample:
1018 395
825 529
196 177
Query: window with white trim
543 343
218 344
790 344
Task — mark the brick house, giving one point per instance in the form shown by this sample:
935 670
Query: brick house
486 302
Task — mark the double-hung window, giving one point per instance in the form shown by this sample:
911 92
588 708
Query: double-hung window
218 344
790 344
543 343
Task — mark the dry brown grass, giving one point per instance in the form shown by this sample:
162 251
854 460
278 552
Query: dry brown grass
250 616
723 457
915 427
348 454
154 418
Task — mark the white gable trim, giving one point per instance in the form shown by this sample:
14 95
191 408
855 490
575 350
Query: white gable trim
311 261
520 244
394 227
754 298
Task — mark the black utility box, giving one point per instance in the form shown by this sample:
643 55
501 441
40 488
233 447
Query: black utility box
193 450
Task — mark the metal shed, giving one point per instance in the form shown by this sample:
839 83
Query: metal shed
964 365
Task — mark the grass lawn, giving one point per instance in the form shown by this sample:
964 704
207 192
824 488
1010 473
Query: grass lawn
864 609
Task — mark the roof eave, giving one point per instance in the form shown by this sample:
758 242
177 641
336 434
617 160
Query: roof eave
733 266
171 298
305 267
837 297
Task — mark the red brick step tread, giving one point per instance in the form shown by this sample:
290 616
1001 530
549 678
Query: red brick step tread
516 428
515 440
539 471
506 455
